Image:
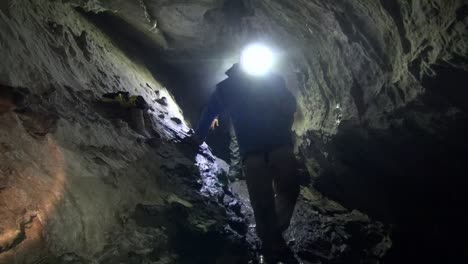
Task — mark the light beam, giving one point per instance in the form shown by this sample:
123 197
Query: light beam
257 59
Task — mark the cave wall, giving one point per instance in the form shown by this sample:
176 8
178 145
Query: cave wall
363 63
344 60
77 183
379 86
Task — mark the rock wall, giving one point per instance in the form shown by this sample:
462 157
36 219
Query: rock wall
344 60
380 85
78 184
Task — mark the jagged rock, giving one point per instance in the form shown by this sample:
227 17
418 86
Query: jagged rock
162 101
176 120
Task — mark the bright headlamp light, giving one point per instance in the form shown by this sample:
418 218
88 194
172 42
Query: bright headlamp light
256 59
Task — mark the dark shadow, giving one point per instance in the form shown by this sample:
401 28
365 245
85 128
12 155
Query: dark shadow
411 175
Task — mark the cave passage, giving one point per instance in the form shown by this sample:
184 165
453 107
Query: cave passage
101 155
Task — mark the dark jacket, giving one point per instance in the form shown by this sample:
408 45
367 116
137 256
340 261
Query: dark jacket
261 109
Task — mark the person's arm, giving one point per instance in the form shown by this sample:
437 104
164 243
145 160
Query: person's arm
215 123
211 111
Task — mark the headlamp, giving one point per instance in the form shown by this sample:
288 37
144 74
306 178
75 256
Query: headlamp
256 59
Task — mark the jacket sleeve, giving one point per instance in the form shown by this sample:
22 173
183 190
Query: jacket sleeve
211 111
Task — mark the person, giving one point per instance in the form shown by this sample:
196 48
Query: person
262 110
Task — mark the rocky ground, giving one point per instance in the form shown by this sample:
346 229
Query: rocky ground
381 88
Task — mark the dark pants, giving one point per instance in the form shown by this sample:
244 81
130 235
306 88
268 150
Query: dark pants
273 189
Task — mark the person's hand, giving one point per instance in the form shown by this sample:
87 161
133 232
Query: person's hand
215 124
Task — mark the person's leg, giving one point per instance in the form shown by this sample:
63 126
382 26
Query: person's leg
235 160
286 183
259 184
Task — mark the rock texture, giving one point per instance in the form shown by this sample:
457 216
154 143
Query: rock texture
323 231
381 88
77 183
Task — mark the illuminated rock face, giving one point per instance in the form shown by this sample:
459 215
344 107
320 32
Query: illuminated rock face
381 88
77 183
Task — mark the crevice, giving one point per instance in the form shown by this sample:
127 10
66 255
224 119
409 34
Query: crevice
358 95
19 238
171 69
394 10
82 43
462 12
